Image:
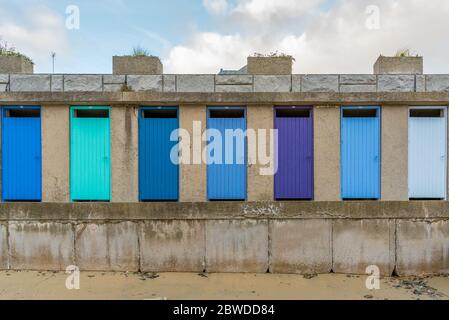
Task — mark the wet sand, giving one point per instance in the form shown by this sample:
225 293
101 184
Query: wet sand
175 286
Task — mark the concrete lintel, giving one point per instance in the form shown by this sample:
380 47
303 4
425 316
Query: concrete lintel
223 210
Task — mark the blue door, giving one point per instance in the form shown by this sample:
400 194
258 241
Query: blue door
360 153
21 154
158 173
226 154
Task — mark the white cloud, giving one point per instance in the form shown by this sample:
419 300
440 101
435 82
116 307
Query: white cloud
332 41
216 6
265 10
35 32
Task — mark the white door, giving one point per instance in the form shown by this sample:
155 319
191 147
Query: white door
427 153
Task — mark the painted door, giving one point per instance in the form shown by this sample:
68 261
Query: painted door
226 156
294 177
360 152
427 153
21 154
90 165
158 173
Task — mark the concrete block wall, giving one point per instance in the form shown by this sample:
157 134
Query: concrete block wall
294 238
210 83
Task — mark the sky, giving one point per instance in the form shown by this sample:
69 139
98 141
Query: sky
202 36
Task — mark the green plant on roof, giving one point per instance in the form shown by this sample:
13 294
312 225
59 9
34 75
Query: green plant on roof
8 51
275 54
139 51
403 53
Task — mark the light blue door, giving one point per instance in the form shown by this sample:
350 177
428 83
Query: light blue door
427 153
226 169
360 153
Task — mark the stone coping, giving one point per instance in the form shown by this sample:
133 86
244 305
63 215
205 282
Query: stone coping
421 210
211 83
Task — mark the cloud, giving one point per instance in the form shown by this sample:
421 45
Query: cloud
34 31
266 10
331 40
216 6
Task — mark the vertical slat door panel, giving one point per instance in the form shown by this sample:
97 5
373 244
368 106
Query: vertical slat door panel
360 157
427 157
90 172
21 158
294 178
227 181
158 174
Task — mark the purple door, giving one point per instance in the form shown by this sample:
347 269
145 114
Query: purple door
294 178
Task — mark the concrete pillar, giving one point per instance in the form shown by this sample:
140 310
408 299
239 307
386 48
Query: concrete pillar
124 153
193 176
55 153
260 187
394 153
327 153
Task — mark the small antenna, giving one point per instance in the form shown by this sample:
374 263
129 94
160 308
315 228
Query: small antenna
53 56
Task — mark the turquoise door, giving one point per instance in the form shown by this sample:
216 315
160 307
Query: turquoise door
90 153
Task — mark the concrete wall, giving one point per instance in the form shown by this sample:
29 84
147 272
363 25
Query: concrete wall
260 187
193 177
394 153
327 153
124 153
55 153
228 237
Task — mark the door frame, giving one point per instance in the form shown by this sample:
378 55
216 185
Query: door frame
3 108
245 115
143 108
72 109
296 107
379 119
445 110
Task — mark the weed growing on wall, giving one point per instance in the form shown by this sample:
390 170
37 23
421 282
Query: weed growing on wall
7 51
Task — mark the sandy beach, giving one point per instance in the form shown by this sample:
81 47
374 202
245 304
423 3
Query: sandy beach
189 286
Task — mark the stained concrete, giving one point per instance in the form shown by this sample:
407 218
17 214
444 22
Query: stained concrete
137 65
112 246
124 153
55 153
193 176
337 210
4 258
327 153
399 65
237 98
172 245
422 247
270 65
260 187
40 245
237 246
301 246
358 244
394 153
